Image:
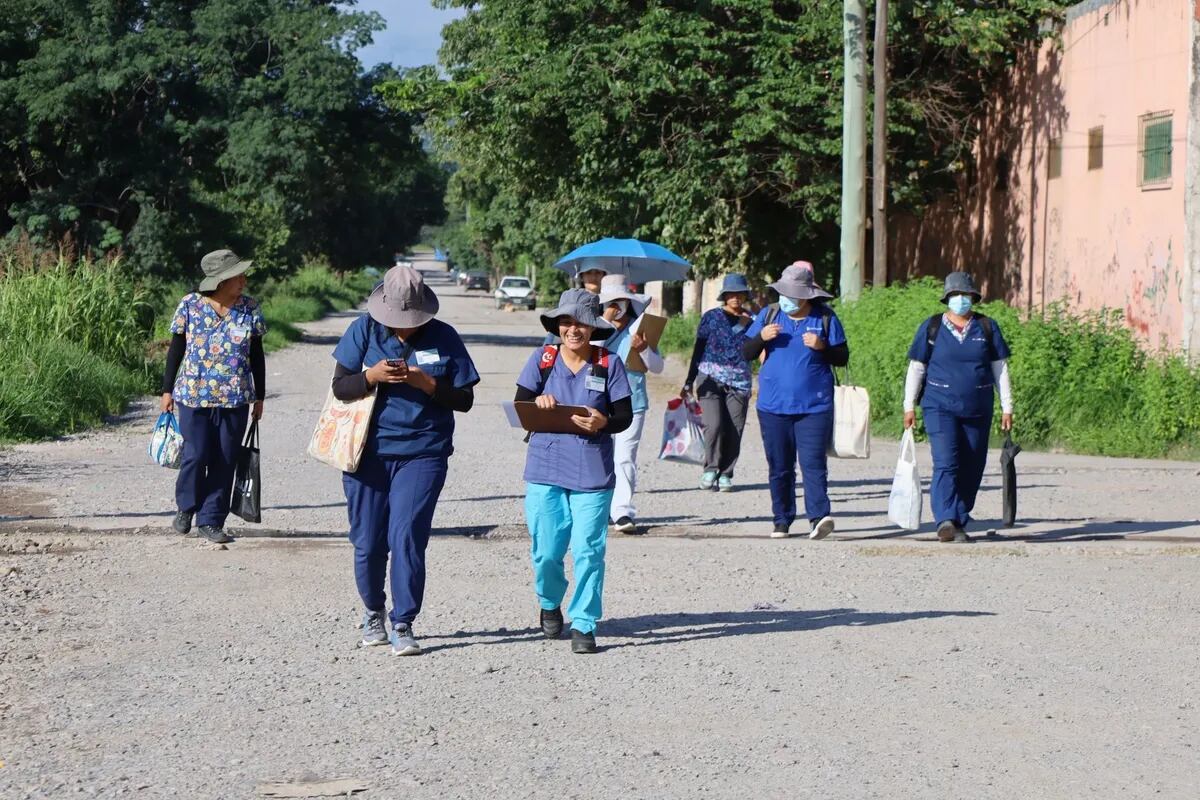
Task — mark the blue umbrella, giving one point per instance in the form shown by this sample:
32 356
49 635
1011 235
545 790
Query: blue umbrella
640 261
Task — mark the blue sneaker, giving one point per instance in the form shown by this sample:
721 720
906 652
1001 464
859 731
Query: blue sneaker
725 484
374 630
403 641
708 479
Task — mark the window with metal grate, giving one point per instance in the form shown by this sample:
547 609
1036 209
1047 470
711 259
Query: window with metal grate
1054 159
1096 147
1154 166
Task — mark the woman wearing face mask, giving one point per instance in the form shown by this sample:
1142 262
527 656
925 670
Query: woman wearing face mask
569 476
958 359
623 310
803 340
724 389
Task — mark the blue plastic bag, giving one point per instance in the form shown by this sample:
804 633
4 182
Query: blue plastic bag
166 442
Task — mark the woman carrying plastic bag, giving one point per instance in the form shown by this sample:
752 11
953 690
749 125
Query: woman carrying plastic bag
683 432
904 503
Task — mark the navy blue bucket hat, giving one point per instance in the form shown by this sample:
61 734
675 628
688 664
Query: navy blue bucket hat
733 284
960 283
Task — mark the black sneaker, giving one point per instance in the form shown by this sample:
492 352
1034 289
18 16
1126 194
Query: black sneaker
780 532
552 623
582 642
946 531
183 523
214 535
961 536
625 525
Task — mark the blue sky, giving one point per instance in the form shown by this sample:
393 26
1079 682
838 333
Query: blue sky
413 33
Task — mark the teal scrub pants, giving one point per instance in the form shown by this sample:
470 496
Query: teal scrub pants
559 518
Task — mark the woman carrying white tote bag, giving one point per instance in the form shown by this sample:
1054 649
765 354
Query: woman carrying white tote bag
904 503
851 421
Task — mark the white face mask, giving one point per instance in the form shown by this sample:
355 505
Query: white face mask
622 307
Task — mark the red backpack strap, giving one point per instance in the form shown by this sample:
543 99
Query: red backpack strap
600 357
546 364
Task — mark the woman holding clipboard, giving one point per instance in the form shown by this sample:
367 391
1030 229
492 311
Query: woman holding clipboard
569 476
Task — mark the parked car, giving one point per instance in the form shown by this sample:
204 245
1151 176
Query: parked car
477 279
516 291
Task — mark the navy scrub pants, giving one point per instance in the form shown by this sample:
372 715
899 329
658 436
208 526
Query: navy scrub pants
391 503
786 438
211 438
959 447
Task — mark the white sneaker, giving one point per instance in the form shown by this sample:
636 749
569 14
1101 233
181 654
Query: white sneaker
780 532
823 528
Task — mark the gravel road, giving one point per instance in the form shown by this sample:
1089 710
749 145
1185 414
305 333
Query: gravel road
1058 660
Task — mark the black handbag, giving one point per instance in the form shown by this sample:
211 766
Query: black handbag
247 488
1008 475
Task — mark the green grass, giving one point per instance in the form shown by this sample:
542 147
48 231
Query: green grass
1081 383
79 339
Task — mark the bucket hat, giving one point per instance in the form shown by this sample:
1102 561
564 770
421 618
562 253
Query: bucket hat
733 284
220 265
616 287
960 283
402 300
589 265
798 283
584 307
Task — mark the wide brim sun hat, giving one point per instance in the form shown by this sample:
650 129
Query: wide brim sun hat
733 284
402 300
221 265
616 287
799 283
582 306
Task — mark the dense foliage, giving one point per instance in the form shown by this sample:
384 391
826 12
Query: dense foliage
713 126
163 129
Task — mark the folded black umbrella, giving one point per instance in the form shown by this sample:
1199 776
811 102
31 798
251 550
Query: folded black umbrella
1008 473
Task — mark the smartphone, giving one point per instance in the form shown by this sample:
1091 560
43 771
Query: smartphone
397 362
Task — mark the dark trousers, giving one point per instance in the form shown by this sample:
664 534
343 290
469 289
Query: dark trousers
786 439
724 414
211 438
391 503
959 446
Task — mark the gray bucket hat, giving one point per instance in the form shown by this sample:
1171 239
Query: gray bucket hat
584 307
959 283
220 265
733 284
798 283
402 300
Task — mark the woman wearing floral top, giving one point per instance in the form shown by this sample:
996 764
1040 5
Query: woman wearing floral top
724 390
215 372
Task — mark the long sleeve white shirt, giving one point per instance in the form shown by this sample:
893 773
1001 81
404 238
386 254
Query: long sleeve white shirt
916 378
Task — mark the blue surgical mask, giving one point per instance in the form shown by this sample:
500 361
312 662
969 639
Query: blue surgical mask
787 305
960 304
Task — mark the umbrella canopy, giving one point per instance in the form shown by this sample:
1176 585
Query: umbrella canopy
640 261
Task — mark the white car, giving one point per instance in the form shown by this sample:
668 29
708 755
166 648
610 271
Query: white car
515 291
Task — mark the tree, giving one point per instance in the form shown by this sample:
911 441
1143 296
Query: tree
168 128
712 126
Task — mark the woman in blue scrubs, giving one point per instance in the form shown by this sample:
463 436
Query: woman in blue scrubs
958 359
803 340
569 476
423 374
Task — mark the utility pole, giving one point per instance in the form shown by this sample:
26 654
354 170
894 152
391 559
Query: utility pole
854 150
879 231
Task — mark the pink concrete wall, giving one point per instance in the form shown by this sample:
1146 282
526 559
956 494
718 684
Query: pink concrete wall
1090 238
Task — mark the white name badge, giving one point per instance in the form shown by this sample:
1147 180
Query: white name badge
428 357
594 383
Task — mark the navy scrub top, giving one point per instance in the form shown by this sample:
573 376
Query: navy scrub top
958 379
408 423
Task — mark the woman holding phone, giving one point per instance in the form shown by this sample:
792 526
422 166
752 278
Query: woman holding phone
569 476
423 374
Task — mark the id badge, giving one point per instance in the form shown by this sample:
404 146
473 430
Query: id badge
238 333
594 383
428 357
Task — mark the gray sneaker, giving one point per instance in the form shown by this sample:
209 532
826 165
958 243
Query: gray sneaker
183 523
215 535
374 629
403 641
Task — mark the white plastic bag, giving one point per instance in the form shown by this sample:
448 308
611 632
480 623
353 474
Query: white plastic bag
166 443
904 503
683 433
851 423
